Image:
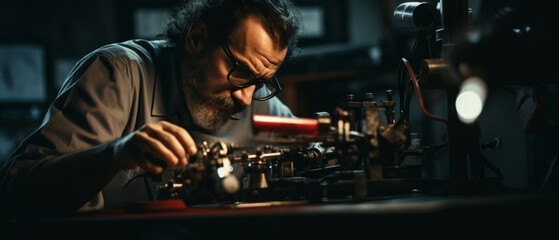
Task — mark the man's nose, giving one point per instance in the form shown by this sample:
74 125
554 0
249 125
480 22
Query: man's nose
244 95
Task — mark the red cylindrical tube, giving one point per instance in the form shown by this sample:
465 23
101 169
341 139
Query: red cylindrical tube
285 125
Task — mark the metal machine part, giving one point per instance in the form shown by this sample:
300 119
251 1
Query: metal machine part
333 160
417 16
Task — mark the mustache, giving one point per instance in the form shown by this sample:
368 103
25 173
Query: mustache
228 103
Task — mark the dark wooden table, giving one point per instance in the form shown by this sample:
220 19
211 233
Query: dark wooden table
394 217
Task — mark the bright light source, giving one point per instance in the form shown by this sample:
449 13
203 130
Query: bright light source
221 172
468 106
470 100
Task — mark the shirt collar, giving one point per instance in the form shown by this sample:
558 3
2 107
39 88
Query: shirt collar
167 98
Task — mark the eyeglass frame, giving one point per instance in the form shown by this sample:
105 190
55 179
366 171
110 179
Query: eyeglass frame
273 81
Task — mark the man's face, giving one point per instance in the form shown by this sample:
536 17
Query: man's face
210 98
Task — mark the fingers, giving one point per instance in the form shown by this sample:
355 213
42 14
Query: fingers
162 145
153 156
146 162
183 136
168 143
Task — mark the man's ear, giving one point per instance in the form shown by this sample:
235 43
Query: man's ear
197 38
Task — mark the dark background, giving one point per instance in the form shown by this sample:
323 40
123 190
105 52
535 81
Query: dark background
357 52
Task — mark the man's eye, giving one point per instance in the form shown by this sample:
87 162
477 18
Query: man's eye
242 74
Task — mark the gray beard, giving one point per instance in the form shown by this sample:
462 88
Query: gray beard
202 115
199 106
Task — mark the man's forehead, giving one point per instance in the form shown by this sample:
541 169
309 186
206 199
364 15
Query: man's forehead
251 35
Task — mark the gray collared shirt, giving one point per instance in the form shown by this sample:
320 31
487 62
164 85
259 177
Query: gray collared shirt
109 93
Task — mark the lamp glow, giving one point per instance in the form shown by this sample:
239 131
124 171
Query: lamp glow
471 99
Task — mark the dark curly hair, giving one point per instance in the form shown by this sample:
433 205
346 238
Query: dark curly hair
280 18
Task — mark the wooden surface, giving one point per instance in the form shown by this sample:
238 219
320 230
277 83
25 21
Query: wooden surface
415 216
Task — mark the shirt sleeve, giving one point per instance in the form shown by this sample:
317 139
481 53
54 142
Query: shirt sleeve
90 109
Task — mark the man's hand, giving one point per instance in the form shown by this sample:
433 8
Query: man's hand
155 146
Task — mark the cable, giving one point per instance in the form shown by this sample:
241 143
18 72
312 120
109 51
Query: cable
401 84
551 172
418 92
145 176
404 98
404 104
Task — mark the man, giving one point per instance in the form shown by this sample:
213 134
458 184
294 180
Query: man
141 106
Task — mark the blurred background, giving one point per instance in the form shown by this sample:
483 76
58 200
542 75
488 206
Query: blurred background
346 47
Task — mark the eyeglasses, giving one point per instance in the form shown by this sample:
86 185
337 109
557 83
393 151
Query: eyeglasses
240 77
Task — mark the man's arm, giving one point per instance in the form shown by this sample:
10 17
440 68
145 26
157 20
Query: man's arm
80 147
65 183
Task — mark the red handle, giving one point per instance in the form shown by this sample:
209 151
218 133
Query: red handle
285 125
